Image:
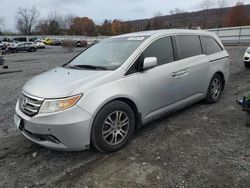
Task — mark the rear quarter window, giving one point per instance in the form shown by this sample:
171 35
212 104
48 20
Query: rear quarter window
188 46
210 45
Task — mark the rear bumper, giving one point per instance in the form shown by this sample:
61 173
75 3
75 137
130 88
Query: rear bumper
68 130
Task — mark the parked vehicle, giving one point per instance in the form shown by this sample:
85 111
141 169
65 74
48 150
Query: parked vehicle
33 39
103 95
48 41
39 44
82 43
246 58
1 59
22 46
7 42
57 42
19 39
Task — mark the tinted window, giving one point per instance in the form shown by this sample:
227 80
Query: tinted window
188 46
210 46
161 49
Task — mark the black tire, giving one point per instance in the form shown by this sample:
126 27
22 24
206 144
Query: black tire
32 49
213 94
97 134
247 65
13 51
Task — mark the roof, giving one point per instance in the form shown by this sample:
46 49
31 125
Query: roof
164 32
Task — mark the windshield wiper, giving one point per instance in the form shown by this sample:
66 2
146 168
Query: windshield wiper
93 67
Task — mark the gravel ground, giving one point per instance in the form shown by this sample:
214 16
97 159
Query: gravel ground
200 146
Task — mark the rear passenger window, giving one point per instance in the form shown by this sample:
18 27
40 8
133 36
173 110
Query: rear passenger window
210 46
161 49
188 46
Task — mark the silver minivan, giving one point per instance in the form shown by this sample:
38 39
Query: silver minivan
111 89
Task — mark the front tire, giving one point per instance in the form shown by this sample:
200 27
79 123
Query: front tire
215 89
113 127
247 65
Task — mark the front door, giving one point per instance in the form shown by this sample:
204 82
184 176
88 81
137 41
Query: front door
159 87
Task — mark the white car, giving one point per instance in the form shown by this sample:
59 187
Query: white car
246 58
40 44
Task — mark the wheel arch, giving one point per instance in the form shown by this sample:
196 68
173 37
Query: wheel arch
220 73
131 103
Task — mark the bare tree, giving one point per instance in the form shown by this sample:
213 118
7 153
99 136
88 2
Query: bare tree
26 19
221 5
206 5
66 22
176 11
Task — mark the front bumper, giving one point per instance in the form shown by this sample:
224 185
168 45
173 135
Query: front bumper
66 130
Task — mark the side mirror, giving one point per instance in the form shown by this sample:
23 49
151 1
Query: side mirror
149 62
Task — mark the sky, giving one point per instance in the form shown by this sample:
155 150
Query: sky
99 10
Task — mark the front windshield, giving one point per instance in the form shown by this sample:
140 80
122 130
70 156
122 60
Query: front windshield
109 53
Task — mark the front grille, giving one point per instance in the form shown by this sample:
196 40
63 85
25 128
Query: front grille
29 105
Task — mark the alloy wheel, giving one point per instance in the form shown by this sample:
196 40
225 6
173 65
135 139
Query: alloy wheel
115 128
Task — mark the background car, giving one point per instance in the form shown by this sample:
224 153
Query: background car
39 44
19 39
82 43
246 58
1 44
48 41
57 42
22 46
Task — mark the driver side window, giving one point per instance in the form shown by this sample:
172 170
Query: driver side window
161 49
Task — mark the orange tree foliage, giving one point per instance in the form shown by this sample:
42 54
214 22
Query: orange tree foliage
116 27
83 26
237 16
119 27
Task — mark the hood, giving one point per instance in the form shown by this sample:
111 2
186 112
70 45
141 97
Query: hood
60 82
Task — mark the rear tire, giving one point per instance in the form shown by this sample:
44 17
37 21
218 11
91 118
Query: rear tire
215 89
113 127
247 65
32 50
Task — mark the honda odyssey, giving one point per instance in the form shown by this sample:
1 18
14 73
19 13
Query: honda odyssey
111 89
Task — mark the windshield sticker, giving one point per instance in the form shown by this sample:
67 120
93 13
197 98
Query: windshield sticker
136 38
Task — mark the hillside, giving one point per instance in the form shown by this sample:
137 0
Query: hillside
211 18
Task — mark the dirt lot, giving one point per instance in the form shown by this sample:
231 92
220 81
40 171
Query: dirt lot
200 146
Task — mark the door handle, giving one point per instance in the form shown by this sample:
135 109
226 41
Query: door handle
184 72
175 74
181 73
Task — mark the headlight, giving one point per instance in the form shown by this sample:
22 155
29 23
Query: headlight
55 105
